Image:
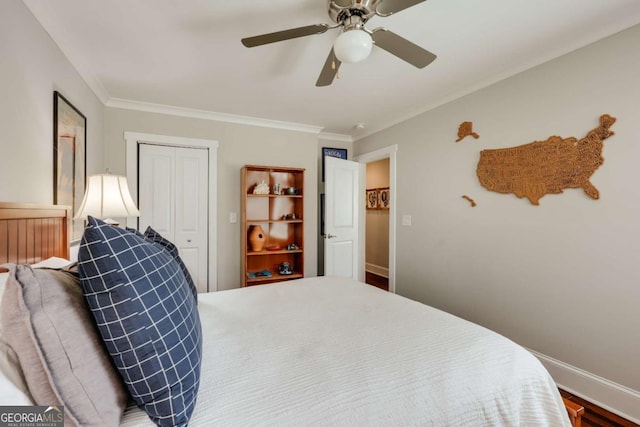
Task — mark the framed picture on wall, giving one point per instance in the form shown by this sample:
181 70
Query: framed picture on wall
384 198
340 153
69 158
372 199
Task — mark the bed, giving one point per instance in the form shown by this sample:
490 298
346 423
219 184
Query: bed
30 233
333 351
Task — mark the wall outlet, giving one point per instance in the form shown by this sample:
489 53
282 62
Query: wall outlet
233 217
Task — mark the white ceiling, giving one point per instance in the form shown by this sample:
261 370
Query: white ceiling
187 54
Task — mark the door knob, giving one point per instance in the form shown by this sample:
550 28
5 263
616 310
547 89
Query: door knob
328 236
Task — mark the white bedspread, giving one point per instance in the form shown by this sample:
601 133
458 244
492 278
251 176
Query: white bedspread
328 351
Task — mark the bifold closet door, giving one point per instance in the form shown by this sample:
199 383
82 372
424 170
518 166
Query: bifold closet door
173 200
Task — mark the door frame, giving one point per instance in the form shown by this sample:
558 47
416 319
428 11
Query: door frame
390 153
133 139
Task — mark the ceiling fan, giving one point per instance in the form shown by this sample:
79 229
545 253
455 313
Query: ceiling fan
355 42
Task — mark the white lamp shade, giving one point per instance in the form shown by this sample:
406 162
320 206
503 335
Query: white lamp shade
353 46
107 196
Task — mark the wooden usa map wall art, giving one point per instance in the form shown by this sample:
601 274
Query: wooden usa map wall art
464 130
546 167
470 200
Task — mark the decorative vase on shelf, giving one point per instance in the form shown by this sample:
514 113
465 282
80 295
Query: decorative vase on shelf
257 238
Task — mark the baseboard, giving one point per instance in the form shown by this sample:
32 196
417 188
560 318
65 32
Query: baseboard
376 269
607 394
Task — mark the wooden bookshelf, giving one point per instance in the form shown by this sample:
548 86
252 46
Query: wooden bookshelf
280 215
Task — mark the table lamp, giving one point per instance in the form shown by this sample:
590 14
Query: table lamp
107 196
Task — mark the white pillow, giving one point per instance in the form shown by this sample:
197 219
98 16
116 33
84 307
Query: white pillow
53 262
13 388
3 280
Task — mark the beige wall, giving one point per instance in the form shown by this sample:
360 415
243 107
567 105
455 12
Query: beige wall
31 68
561 278
238 145
377 228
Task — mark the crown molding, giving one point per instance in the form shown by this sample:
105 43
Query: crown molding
94 84
209 115
335 136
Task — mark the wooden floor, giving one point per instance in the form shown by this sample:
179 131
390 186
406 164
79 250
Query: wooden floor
595 416
377 281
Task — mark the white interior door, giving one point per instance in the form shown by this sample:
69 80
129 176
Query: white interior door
173 200
342 250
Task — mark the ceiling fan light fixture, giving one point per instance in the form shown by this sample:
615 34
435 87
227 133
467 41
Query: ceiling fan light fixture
353 46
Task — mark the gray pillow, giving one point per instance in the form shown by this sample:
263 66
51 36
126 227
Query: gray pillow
46 322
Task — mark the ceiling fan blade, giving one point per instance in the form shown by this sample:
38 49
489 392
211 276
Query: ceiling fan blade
402 48
279 36
329 70
394 6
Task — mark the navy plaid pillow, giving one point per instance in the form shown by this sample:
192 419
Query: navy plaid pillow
147 318
154 236
134 231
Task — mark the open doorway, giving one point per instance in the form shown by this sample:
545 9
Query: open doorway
377 185
380 245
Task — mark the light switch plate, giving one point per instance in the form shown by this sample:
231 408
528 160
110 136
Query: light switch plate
406 220
233 217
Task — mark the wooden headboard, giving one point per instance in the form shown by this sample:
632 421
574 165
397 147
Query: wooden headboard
31 233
